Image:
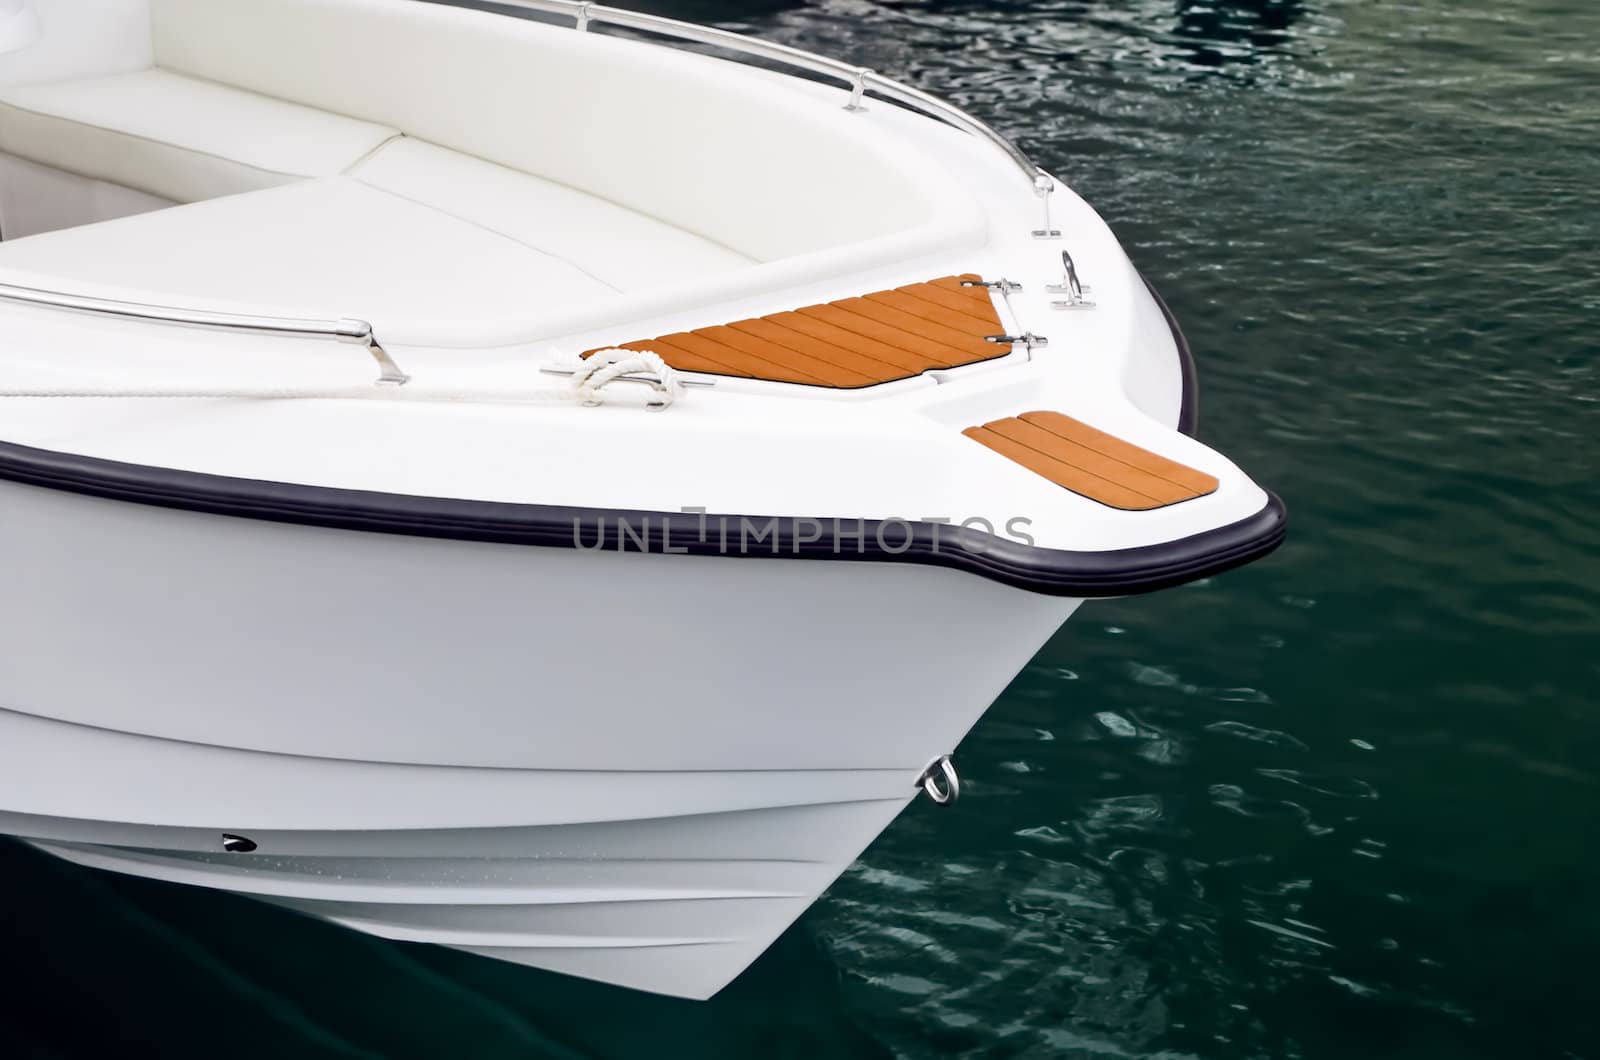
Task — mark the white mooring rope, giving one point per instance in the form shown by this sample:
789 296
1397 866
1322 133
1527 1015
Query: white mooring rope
588 386
605 366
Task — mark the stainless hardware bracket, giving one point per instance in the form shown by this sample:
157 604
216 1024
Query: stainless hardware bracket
1044 187
1004 286
858 88
940 768
1027 339
1077 293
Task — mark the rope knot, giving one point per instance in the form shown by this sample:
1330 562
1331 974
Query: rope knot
602 367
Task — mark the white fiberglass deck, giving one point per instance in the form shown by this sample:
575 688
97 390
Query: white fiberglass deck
362 628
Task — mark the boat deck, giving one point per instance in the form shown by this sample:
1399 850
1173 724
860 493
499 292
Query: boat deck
850 343
896 334
1092 463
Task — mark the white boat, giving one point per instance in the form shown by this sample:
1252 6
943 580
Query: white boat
712 438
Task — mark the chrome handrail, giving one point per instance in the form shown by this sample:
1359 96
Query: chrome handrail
347 329
858 79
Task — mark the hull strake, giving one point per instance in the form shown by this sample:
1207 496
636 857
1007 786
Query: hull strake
671 905
664 881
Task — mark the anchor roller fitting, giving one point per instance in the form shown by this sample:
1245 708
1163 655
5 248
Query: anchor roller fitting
939 781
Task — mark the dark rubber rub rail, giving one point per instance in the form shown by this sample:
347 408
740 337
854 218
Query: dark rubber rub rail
1189 401
1056 572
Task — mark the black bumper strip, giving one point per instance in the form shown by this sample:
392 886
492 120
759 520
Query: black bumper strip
1057 572
1189 402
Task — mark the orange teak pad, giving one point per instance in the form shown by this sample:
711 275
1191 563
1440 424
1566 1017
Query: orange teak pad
1091 462
854 342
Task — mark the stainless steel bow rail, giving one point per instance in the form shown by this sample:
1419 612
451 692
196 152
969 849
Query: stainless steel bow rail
860 80
350 330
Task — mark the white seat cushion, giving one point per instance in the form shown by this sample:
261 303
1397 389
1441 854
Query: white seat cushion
178 137
616 246
324 248
753 163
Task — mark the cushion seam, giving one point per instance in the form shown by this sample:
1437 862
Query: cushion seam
144 139
744 258
80 123
492 231
347 170
201 79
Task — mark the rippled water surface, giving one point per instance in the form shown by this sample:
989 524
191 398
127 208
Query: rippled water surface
1342 803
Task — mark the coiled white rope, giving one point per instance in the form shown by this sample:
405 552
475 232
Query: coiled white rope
588 386
605 366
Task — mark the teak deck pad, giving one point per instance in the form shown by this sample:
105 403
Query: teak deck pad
854 342
1091 462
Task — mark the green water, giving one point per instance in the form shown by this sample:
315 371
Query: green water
1342 803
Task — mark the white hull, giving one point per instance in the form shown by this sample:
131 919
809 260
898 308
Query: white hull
671 904
274 626
642 780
